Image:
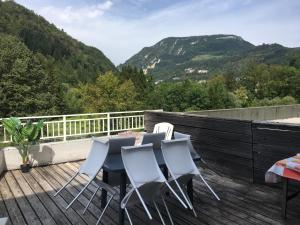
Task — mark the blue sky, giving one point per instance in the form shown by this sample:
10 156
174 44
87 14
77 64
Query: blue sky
120 28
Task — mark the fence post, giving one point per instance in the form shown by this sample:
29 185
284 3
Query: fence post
108 124
65 127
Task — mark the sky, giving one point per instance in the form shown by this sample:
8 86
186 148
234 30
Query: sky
121 28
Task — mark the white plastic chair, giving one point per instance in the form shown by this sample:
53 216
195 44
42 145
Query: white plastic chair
180 164
146 179
91 168
164 127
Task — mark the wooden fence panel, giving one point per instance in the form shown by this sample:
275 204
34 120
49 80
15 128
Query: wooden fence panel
273 142
226 144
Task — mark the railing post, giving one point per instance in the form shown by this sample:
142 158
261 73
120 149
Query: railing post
108 124
65 127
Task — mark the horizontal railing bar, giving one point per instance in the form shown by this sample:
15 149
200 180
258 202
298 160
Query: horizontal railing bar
84 134
72 115
89 119
119 117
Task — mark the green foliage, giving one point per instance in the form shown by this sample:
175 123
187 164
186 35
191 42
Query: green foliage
108 93
218 94
26 88
287 100
66 58
241 95
23 135
143 84
271 81
192 96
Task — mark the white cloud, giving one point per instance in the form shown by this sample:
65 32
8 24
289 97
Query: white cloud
73 14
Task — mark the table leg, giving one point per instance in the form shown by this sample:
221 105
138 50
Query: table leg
123 178
189 190
166 174
104 193
285 183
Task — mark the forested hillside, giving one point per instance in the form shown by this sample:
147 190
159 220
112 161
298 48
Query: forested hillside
40 64
200 57
70 60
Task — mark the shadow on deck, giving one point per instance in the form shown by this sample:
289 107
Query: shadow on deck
28 199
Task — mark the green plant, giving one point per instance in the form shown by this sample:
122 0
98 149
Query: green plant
23 135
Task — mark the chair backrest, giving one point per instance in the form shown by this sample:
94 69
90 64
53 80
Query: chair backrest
155 139
95 158
141 165
178 158
164 128
178 135
115 144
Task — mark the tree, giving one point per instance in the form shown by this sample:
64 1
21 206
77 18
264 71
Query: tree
25 87
143 83
108 93
271 81
218 94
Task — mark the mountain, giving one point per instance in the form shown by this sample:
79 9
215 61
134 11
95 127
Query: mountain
199 57
70 60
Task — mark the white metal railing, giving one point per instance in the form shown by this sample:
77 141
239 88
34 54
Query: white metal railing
66 127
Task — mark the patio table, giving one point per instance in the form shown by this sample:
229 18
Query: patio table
285 170
114 163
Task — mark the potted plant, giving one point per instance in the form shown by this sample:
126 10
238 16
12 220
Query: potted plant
23 136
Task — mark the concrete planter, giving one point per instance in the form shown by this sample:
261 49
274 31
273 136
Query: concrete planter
46 153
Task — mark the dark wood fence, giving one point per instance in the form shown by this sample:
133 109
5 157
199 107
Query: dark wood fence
225 144
272 142
239 148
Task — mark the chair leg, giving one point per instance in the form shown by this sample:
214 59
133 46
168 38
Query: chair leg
179 199
167 209
217 197
159 214
126 211
183 195
79 194
144 205
87 206
193 209
100 217
63 187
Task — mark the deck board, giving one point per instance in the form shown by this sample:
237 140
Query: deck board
29 199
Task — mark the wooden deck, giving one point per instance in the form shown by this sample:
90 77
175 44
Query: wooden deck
28 199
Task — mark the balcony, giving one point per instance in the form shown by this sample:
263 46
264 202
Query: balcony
237 150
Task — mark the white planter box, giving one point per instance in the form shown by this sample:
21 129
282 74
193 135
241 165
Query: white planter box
46 153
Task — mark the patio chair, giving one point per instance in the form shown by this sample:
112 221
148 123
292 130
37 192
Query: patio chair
115 145
164 127
178 135
181 166
146 179
154 138
91 168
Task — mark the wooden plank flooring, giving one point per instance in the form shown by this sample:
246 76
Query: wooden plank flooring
28 199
